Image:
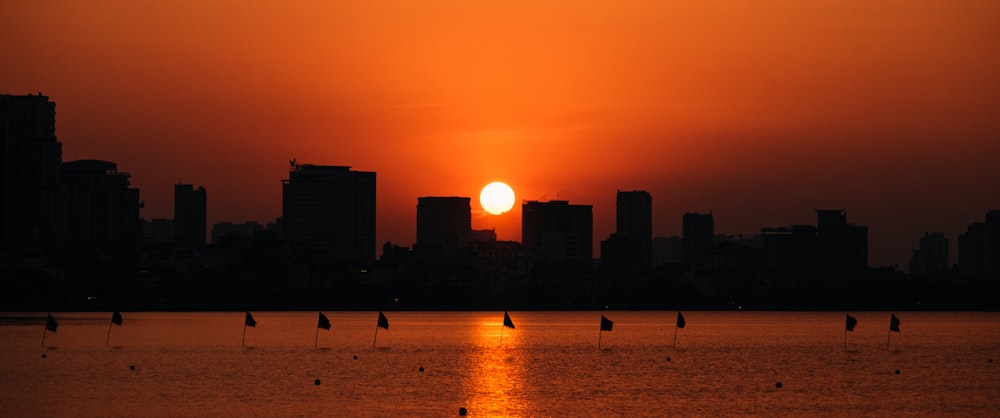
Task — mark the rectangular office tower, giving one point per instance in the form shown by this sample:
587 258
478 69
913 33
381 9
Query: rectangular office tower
635 224
190 220
442 224
330 210
558 231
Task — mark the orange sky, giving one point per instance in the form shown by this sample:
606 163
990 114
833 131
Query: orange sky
758 111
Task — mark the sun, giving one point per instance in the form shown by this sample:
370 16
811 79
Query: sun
497 198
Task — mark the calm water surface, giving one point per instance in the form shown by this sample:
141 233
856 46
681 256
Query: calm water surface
725 364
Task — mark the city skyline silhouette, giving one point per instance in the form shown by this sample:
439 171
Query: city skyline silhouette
759 115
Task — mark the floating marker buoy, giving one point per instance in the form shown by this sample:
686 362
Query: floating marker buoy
421 368
778 385
668 358
991 360
44 356
131 367
462 411
897 371
316 382
355 357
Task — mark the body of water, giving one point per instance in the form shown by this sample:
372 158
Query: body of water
724 364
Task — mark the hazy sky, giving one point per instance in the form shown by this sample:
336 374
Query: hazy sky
759 111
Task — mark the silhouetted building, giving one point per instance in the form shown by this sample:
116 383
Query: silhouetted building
221 230
844 246
667 250
557 231
190 214
158 230
331 209
631 245
102 208
698 233
979 248
833 247
443 223
31 171
931 258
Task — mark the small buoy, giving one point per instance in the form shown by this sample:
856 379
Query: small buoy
668 358
462 411
355 357
316 382
131 367
991 360
421 368
778 385
897 371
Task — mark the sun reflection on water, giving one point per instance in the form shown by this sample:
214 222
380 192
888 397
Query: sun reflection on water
496 382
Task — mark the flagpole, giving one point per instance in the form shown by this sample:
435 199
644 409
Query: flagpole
675 337
845 338
106 340
501 334
888 339
44 331
316 341
243 343
599 334
376 336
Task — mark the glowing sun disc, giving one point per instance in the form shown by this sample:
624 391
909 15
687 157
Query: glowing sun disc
497 198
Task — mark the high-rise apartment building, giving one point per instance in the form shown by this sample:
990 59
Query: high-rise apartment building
101 207
190 215
330 209
31 172
558 231
931 258
698 233
979 249
442 224
635 223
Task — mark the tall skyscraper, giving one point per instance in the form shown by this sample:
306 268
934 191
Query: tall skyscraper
698 233
330 209
442 222
635 223
190 214
558 231
31 171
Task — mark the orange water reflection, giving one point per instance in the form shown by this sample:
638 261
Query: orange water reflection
496 384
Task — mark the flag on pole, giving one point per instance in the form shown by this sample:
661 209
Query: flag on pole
606 324
51 324
851 323
894 323
323 322
680 320
383 322
249 322
506 321
116 318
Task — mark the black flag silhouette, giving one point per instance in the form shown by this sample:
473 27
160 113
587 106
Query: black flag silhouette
323 322
851 323
250 322
606 324
51 324
383 322
506 320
